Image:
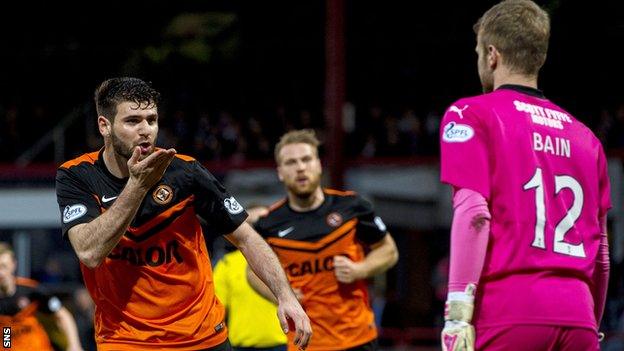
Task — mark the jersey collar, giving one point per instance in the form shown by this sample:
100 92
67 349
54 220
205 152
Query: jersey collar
523 89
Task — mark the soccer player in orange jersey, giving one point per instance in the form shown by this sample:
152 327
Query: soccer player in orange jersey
328 242
130 212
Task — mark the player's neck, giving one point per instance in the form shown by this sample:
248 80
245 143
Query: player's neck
309 203
504 76
117 165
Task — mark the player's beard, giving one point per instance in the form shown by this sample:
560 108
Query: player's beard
487 82
304 192
486 75
121 148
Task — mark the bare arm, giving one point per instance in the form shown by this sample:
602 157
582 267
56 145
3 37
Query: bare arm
265 264
383 255
93 241
67 325
259 286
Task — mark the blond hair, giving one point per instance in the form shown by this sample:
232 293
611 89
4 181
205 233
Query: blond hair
519 30
6 248
303 136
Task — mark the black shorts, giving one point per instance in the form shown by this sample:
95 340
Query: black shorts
372 345
224 346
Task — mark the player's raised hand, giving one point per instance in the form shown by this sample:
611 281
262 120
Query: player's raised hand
347 271
291 315
255 213
149 171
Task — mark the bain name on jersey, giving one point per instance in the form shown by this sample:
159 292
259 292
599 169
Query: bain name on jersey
151 256
542 115
551 145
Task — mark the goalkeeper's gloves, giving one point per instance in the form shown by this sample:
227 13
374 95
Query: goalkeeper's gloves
458 334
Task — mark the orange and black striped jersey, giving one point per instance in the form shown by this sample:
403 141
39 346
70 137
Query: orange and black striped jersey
306 243
18 312
155 289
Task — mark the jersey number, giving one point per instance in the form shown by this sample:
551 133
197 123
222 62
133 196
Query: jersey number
561 182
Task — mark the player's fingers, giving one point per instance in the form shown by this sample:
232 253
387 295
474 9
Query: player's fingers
153 159
161 160
339 276
447 343
166 159
300 333
307 333
282 320
135 156
339 258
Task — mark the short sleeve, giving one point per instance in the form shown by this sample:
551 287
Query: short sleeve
604 191
261 227
464 160
76 202
370 228
214 204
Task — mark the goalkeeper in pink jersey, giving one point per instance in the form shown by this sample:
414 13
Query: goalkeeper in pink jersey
529 260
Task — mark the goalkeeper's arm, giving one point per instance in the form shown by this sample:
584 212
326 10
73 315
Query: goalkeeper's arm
469 238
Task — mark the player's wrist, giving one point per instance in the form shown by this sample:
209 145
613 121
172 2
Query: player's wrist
136 186
360 270
459 305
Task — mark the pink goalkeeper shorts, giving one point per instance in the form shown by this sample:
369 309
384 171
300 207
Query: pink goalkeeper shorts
536 338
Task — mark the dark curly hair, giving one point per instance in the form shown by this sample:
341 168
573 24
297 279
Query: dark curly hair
114 91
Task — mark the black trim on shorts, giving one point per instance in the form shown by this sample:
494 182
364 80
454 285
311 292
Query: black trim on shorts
372 345
224 346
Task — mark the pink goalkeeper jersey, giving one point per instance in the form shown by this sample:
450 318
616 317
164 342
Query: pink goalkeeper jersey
544 175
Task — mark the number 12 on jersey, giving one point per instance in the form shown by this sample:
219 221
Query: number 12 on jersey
573 213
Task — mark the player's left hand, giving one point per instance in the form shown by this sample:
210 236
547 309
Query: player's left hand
458 336
255 213
292 317
347 271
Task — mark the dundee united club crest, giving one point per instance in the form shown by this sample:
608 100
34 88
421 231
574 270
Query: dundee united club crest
163 194
334 219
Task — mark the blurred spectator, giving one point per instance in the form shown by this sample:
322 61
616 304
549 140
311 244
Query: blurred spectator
9 134
84 312
37 319
378 131
52 272
411 132
616 134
